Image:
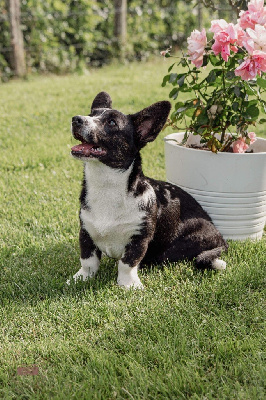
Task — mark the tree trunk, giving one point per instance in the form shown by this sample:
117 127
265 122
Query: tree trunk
199 16
18 57
120 24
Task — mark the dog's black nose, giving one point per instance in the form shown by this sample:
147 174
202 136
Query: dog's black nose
77 120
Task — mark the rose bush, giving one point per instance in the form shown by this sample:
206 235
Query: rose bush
231 93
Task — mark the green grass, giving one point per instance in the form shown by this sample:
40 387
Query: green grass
188 335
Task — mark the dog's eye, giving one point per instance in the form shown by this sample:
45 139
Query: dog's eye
112 122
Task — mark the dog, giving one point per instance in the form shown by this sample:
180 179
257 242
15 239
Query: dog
126 215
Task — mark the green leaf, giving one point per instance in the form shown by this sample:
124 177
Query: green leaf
230 75
252 112
249 91
231 64
252 102
171 67
184 88
216 61
201 130
178 105
181 109
235 119
173 94
205 60
263 106
202 119
172 78
190 112
237 91
176 116
261 82
235 106
181 80
248 87
165 80
211 77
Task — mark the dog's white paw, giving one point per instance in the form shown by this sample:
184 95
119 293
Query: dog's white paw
81 275
219 264
128 277
130 285
89 268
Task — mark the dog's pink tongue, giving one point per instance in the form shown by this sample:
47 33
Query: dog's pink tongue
83 148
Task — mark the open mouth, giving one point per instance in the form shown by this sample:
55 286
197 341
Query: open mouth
87 150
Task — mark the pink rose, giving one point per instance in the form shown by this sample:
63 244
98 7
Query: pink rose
255 5
241 35
218 25
255 39
225 39
221 45
196 47
248 43
256 14
240 146
252 137
251 66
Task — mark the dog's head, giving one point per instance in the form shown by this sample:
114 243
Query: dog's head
115 138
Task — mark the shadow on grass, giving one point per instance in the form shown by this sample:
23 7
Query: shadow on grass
35 274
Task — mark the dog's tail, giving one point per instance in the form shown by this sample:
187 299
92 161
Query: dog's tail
210 259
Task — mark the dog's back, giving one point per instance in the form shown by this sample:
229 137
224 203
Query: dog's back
183 230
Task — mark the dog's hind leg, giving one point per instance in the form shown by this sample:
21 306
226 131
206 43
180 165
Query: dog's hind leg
210 259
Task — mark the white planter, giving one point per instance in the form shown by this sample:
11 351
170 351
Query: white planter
230 187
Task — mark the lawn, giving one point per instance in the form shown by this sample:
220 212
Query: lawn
187 335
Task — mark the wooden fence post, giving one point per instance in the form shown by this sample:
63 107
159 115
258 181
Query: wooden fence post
120 24
18 57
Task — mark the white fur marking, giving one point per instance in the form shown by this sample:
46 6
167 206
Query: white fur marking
91 121
148 197
219 264
89 268
128 276
113 216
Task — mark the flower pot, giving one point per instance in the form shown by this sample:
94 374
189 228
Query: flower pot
230 187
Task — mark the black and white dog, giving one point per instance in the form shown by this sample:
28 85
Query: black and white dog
123 213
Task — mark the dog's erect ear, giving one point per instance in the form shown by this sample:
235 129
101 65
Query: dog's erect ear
102 100
150 121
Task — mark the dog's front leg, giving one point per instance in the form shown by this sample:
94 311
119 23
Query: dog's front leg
90 257
129 263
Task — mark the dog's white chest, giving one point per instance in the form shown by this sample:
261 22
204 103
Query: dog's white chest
113 216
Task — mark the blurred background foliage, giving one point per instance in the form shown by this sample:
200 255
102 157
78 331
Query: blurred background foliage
62 36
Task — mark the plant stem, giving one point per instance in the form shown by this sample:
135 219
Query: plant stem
191 72
224 96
